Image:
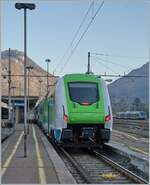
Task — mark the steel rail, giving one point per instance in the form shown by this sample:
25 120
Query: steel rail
77 166
140 125
130 175
118 120
113 164
121 169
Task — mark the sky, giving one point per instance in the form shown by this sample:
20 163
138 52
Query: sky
118 33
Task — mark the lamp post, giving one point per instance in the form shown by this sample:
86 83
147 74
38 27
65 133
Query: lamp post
28 108
40 81
48 61
25 6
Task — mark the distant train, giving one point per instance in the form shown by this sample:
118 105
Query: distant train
6 126
79 111
131 115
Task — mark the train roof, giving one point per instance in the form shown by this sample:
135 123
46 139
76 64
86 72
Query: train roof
82 77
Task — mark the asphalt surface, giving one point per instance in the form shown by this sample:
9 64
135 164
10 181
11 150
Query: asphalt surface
37 167
131 141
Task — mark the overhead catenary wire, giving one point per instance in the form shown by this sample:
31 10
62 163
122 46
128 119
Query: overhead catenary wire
118 75
104 65
89 24
75 35
123 66
118 56
21 75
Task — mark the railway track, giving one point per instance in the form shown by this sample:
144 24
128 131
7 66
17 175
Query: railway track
134 123
138 127
95 168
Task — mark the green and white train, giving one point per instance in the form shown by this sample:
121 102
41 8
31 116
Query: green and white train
78 112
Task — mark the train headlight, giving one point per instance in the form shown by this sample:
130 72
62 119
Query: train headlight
107 118
65 118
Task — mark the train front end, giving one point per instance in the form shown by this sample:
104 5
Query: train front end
87 116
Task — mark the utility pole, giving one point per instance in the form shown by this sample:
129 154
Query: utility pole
48 61
13 88
88 71
28 67
9 85
40 81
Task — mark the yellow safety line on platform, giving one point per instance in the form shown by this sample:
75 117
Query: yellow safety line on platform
39 159
5 166
138 150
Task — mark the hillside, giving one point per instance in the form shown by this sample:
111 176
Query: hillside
17 68
124 91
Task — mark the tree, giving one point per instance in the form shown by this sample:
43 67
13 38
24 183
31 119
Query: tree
137 104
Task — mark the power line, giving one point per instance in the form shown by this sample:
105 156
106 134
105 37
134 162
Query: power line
75 35
123 66
62 68
104 65
21 75
118 56
111 75
118 75
126 76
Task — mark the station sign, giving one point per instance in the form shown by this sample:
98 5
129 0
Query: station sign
19 104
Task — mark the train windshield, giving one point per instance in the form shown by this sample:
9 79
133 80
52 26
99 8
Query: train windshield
82 92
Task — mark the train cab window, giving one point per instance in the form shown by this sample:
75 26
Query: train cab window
82 92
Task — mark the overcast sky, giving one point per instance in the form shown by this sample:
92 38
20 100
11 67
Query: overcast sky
119 33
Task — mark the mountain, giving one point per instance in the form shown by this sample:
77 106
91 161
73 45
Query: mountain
17 68
127 92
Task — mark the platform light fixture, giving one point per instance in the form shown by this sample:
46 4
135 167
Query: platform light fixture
25 6
47 61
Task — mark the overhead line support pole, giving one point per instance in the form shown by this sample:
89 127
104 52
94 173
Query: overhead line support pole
88 71
48 90
9 85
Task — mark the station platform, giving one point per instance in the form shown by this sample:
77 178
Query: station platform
42 164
